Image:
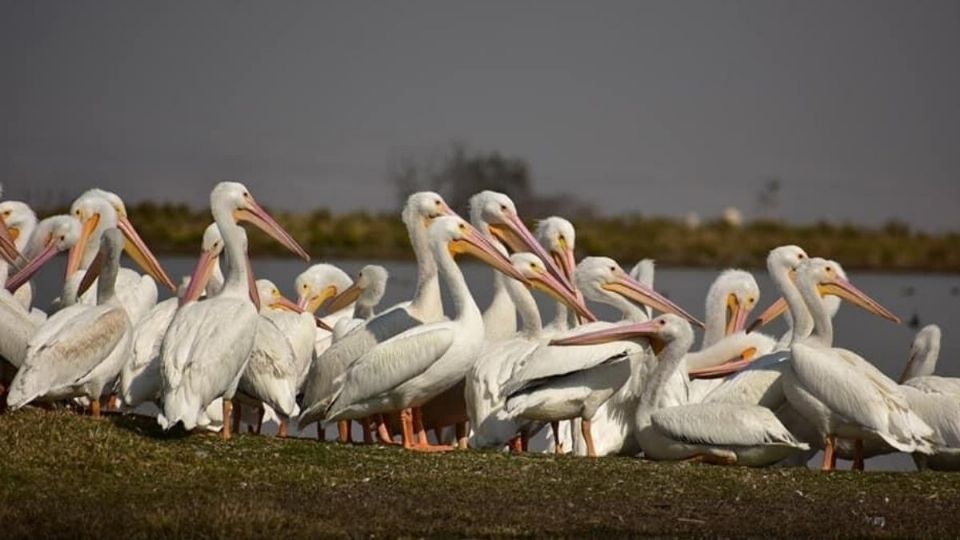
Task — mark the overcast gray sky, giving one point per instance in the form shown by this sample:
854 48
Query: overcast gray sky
659 107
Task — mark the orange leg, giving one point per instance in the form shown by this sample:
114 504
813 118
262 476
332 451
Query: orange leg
343 431
383 430
461 428
406 422
282 430
95 408
516 445
557 445
858 454
423 444
829 454
588 438
227 419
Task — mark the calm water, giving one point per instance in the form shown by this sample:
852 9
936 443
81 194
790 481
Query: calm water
917 298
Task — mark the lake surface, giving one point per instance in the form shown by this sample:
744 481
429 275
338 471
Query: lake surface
917 298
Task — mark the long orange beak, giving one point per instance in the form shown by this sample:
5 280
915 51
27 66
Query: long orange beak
844 289
545 282
344 299
259 217
518 238
75 256
27 272
723 370
474 243
282 302
91 274
200 277
137 249
632 289
312 303
737 316
775 310
617 332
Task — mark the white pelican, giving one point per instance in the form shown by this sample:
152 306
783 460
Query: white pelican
492 427
20 222
51 236
365 294
836 390
561 383
79 350
409 369
281 353
207 345
559 238
919 370
419 212
140 378
668 429
97 211
316 287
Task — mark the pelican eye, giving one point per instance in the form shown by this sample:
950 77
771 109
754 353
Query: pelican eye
438 202
613 268
751 300
663 322
63 238
503 207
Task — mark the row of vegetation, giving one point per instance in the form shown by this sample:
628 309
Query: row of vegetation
177 229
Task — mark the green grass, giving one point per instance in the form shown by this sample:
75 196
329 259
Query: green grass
66 475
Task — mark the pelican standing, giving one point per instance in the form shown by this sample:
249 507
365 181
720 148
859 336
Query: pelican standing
79 350
208 344
140 379
837 391
409 369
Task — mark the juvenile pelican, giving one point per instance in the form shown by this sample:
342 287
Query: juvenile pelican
208 344
409 369
79 350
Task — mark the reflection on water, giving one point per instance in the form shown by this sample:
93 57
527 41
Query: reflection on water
919 299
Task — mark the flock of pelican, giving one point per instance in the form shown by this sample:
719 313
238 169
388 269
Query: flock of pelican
230 348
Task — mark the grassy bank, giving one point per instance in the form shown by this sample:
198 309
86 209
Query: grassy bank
64 475
177 229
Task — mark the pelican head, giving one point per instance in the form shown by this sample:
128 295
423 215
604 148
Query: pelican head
540 278
603 280
498 213
558 236
734 293
423 207
96 214
367 289
19 220
828 278
51 236
236 199
660 331
923 354
271 297
211 246
456 236
782 264
318 284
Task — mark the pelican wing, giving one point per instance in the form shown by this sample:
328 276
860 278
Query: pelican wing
935 384
335 360
271 373
940 411
550 361
854 389
722 424
392 363
67 348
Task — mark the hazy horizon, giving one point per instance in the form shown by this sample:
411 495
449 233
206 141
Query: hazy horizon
656 107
